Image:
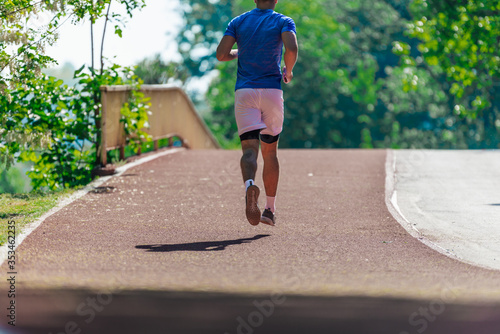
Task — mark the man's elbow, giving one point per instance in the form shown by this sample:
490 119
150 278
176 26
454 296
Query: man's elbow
219 56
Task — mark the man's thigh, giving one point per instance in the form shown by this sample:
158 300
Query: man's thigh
247 110
272 108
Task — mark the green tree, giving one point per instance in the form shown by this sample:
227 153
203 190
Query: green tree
11 181
28 26
336 99
156 71
201 33
45 121
461 44
362 79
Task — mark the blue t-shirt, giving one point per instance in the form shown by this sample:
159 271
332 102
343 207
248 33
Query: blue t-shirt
260 47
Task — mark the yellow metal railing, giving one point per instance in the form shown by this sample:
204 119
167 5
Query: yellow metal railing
172 115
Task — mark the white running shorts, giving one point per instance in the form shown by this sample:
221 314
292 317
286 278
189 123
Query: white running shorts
259 108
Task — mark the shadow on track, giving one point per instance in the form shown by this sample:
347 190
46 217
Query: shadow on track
132 312
204 246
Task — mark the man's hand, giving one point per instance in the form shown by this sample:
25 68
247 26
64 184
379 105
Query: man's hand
287 77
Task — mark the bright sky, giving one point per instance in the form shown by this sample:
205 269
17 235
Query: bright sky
147 33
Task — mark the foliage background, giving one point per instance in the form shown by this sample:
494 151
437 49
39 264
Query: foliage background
370 74
54 126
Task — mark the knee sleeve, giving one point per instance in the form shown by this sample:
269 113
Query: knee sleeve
250 135
268 139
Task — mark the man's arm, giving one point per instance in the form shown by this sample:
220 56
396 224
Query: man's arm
224 50
291 54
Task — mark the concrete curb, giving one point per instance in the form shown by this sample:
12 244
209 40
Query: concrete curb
391 201
78 194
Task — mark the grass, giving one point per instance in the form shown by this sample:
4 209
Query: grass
26 208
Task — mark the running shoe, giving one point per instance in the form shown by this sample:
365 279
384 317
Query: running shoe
252 210
268 217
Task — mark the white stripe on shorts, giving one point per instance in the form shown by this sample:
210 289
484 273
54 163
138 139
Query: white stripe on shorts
259 108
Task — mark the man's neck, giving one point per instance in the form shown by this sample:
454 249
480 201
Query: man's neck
266 5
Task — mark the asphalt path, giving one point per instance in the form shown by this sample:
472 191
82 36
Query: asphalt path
166 247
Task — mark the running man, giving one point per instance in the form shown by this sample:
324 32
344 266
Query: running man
260 35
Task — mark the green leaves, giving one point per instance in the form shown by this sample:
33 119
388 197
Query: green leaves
334 100
135 115
460 44
463 41
53 126
28 26
155 71
361 81
401 48
43 120
205 22
118 31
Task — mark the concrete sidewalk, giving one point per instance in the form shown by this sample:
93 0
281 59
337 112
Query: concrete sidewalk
452 198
